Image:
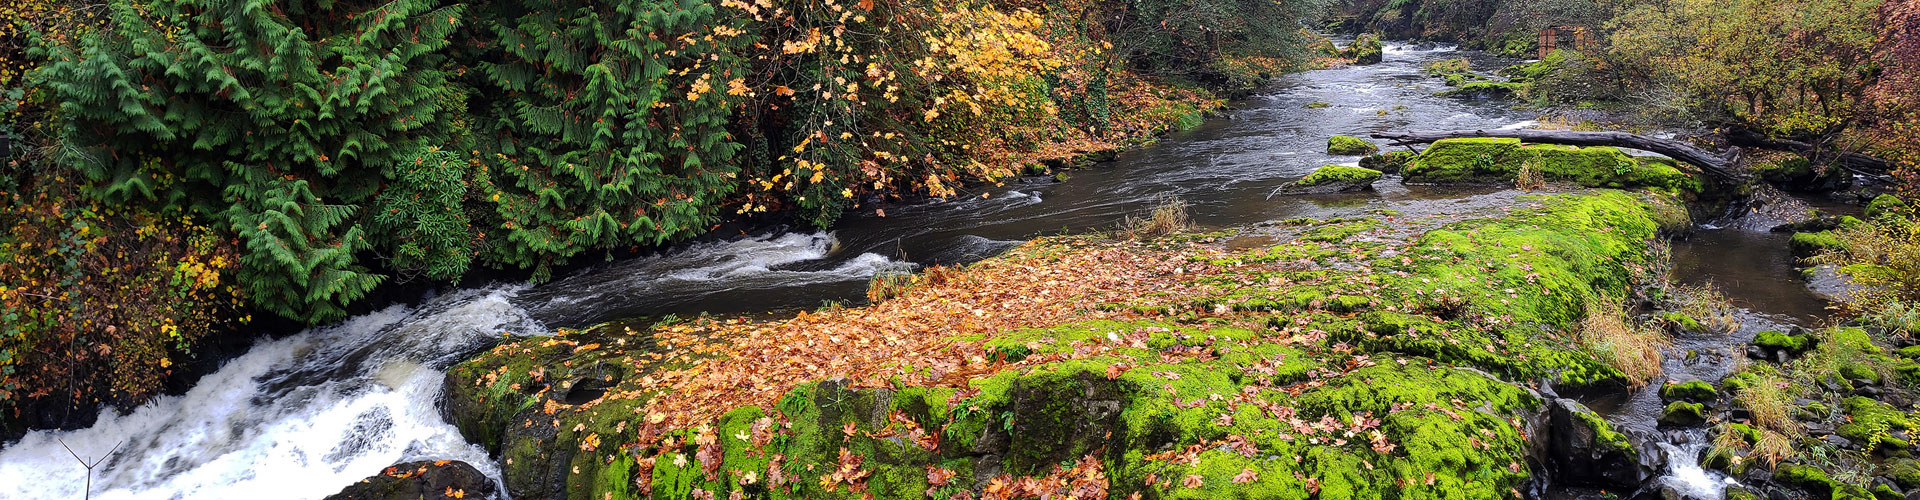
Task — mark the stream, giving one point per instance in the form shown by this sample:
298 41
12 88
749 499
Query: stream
306 415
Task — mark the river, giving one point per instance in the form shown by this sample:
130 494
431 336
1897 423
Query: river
308 414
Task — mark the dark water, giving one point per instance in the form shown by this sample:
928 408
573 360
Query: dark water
1226 169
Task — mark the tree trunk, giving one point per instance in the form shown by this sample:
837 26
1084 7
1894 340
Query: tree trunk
1853 162
1720 165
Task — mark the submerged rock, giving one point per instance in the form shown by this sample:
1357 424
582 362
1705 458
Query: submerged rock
423 480
1335 179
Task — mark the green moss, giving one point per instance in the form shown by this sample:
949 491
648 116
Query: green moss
1350 146
1791 343
1337 177
1697 390
1318 105
1365 50
1604 432
1884 205
1870 424
1493 160
1683 413
1493 90
1810 244
1905 472
1388 162
1682 321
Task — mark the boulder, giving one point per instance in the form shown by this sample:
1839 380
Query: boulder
1583 450
1350 146
1681 413
1389 162
422 480
1335 179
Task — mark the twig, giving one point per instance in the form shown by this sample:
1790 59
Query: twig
88 493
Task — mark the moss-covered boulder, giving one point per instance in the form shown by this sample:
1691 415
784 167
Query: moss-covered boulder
1365 50
1876 426
1682 413
1885 204
1341 145
1500 161
1335 179
1806 245
422 480
1588 452
1389 162
1791 344
1487 90
1696 391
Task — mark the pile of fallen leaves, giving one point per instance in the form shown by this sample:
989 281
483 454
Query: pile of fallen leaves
716 365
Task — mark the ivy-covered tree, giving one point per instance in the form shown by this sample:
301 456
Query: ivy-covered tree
279 119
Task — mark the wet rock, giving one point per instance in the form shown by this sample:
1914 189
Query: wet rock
1819 429
423 480
1696 391
1837 441
1341 145
1681 413
1335 179
1757 352
1583 450
1389 162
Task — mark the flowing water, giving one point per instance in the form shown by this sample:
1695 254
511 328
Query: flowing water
303 416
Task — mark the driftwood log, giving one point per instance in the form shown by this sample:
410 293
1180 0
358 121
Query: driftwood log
1720 165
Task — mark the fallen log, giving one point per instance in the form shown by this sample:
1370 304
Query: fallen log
1720 165
1854 162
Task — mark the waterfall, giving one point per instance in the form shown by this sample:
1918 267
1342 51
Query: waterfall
297 417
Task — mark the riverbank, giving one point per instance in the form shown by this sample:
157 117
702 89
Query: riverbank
1345 356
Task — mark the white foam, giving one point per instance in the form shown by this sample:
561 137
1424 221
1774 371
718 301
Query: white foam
1686 477
298 417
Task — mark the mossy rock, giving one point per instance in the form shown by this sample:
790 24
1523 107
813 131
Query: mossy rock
1884 205
1487 90
1341 145
1806 245
1870 424
421 480
1792 344
1697 391
1905 472
1389 162
1681 413
1365 50
1335 178
1319 105
1817 482
1500 160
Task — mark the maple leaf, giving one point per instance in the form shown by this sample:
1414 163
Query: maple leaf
938 476
1193 481
1246 475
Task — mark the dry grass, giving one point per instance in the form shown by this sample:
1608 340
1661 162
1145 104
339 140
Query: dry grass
1609 334
1530 178
1707 305
1169 217
1770 400
1885 255
887 285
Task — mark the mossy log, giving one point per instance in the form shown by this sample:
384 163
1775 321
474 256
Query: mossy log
1719 165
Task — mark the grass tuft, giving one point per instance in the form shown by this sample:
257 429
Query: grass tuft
1169 217
1611 336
